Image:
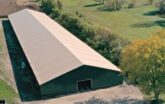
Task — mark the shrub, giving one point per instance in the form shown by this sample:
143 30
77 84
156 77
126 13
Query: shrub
47 6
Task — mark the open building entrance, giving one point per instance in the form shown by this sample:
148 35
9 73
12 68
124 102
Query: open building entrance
84 85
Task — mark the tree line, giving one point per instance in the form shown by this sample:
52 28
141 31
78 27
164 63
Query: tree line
113 5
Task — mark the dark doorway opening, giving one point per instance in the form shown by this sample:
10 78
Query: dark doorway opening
84 85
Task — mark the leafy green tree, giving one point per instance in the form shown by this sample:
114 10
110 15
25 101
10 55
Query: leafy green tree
47 6
143 63
108 44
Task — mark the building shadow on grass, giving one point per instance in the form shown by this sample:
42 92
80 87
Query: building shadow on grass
27 85
160 23
126 100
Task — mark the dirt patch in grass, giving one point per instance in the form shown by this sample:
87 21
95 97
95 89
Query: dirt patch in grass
7 93
10 6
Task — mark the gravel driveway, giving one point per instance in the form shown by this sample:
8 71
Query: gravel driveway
123 94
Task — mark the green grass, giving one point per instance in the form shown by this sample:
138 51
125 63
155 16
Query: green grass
7 92
0 42
162 96
128 23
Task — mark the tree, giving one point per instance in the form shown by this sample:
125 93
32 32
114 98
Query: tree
108 44
143 63
114 4
132 3
47 6
59 4
162 6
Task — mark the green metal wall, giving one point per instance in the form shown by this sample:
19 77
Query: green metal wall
67 83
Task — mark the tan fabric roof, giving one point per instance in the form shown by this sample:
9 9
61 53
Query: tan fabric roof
50 49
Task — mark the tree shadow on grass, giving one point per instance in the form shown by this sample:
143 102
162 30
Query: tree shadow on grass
91 5
155 13
125 100
160 23
144 25
26 82
152 13
105 9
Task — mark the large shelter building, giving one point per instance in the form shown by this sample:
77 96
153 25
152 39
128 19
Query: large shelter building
61 62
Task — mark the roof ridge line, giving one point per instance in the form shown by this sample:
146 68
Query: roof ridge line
54 36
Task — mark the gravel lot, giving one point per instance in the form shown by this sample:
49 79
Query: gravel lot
10 6
123 94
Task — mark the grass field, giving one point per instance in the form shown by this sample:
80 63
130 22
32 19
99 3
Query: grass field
162 96
128 23
7 92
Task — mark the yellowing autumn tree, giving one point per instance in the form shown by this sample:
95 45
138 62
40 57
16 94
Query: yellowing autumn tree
143 63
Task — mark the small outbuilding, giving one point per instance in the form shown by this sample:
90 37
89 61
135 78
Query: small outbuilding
61 63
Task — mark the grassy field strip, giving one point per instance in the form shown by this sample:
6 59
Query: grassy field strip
128 23
7 92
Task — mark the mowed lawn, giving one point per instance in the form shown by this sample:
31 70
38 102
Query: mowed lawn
7 92
128 23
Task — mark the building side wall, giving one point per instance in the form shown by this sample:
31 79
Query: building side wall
67 83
